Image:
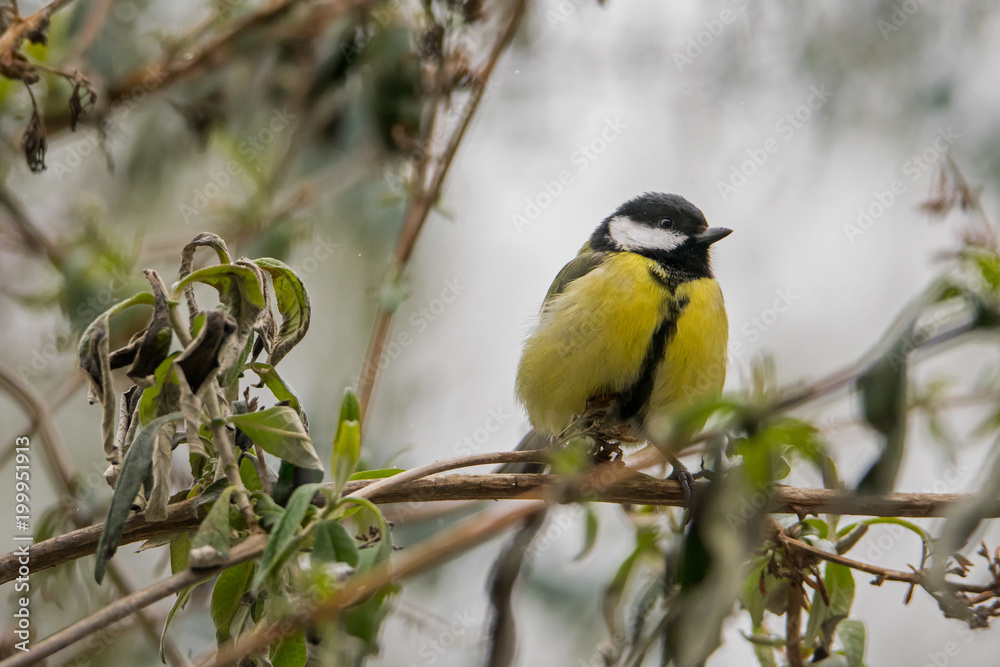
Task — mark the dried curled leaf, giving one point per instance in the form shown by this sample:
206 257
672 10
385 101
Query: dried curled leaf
35 142
81 100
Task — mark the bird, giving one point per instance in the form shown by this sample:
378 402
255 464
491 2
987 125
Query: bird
635 325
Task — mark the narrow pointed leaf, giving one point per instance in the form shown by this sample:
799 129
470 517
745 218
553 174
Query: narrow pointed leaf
135 468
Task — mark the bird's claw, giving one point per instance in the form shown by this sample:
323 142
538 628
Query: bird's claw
683 476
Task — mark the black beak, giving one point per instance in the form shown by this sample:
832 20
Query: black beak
712 234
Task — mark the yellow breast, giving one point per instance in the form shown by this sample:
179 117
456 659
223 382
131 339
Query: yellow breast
694 367
593 339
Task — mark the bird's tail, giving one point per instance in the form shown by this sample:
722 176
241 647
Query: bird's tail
531 441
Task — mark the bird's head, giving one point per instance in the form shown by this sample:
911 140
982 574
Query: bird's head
667 228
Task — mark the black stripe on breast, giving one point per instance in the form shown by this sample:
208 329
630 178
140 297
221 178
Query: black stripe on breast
634 400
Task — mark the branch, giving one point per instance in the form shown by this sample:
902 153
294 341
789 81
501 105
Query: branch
640 490
430 553
251 548
425 196
187 515
171 68
17 32
65 480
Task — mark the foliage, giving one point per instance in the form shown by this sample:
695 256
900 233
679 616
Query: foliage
199 386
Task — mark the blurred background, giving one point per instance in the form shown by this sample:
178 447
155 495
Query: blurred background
814 131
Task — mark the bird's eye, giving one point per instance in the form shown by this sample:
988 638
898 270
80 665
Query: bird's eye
665 223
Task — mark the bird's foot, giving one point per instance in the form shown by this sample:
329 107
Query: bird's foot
682 476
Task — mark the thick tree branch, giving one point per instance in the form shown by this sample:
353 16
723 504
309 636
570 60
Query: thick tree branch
637 490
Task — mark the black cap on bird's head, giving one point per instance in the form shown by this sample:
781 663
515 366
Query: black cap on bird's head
667 228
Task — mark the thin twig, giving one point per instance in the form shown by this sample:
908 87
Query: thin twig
34 237
635 490
793 621
430 553
424 198
36 408
73 383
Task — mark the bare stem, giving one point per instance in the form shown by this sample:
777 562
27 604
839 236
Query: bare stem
423 199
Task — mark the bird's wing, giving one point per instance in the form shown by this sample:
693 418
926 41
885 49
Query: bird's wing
578 267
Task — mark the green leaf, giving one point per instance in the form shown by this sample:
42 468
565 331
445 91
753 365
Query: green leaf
281 391
364 620
375 474
135 469
764 654
350 407
268 512
374 515
179 603
284 537
163 396
750 595
279 431
231 281
645 540
346 451
248 473
347 441
227 596
823 618
909 525
852 636
590 536
293 304
214 529
883 399
849 536
180 547
334 544
291 477
290 651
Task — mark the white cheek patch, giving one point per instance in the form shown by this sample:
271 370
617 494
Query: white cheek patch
634 236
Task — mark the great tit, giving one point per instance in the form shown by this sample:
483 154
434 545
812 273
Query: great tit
636 321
